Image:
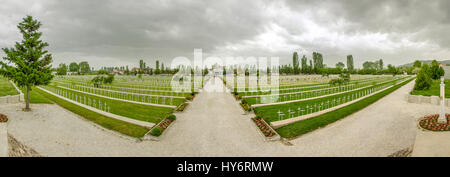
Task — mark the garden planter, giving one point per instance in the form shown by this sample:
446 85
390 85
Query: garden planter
430 123
265 130
163 126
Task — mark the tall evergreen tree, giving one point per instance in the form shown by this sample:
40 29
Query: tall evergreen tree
295 63
30 61
304 64
350 65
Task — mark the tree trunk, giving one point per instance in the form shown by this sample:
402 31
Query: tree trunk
27 105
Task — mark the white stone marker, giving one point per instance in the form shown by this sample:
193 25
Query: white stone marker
442 118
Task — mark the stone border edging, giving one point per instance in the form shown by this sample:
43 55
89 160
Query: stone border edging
420 99
149 136
275 137
281 123
4 150
107 114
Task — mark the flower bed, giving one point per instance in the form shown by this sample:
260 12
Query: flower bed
265 129
430 123
165 123
3 118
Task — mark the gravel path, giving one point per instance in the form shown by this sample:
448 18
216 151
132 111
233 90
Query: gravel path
214 125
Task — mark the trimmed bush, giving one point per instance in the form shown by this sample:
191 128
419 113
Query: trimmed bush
156 131
244 101
172 117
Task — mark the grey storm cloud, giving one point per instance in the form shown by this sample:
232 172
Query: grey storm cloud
113 33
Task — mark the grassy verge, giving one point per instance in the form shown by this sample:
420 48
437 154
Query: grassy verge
109 123
35 96
434 89
6 88
308 125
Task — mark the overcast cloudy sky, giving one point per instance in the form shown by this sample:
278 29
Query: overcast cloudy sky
111 33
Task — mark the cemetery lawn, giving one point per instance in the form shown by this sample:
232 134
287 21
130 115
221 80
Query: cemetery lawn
109 123
270 113
35 96
308 125
131 110
434 89
6 88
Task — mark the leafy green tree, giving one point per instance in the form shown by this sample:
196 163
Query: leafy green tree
350 65
84 67
423 80
417 64
436 71
340 65
101 79
73 67
28 63
62 69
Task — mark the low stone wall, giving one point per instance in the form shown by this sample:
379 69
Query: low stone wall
3 140
419 99
11 99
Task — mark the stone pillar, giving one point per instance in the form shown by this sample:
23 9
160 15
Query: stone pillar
442 118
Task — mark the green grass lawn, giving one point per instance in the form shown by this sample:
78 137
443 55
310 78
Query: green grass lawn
35 96
131 110
107 122
434 89
308 125
6 88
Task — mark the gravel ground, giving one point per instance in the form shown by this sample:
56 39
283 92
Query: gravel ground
215 125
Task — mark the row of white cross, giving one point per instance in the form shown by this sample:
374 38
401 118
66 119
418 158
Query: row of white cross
126 96
308 109
83 100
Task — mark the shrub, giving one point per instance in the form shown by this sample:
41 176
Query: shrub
172 117
244 101
188 97
423 81
156 131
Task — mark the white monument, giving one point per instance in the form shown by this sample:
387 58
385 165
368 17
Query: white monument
442 118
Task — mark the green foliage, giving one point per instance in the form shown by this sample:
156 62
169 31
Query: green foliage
417 64
340 65
295 63
30 61
62 69
156 131
423 81
84 67
244 101
73 67
102 72
436 71
172 117
350 65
